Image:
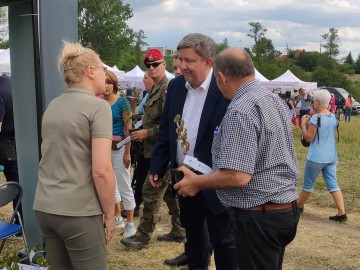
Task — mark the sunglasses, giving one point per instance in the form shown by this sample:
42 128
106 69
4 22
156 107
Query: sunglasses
154 65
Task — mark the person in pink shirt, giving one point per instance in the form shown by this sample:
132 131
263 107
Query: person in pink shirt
332 106
348 107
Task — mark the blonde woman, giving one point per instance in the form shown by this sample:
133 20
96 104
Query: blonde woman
121 115
74 200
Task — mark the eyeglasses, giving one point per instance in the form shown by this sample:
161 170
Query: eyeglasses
103 67
154 65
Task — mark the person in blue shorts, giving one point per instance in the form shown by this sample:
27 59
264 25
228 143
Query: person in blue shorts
322 156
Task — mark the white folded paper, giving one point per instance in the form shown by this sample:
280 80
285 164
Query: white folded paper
138 124
197 165
124 141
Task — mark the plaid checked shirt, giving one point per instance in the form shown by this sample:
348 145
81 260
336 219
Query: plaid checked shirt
255 137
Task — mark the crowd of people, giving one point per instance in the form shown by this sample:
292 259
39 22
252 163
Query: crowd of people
299 103
244 210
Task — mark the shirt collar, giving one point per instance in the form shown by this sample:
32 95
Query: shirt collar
245 88
205 84
161 82
79 89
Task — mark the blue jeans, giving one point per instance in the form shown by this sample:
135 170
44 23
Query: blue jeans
347 113
311 172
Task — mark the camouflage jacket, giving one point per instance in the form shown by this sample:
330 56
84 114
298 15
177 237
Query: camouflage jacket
152 114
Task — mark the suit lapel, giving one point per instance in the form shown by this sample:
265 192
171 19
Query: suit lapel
180 99
209 107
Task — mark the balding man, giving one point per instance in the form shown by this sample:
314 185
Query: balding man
254 163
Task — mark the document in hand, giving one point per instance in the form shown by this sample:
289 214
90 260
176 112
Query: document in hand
124 141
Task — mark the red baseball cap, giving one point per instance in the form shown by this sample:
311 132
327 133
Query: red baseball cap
153 55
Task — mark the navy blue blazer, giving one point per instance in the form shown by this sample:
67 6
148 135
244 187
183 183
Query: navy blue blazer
166 145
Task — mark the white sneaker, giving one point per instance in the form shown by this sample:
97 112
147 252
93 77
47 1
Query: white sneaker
130 230
119 222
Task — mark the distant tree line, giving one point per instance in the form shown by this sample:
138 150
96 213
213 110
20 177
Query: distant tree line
103 27
322 67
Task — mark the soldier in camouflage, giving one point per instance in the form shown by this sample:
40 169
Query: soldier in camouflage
153 108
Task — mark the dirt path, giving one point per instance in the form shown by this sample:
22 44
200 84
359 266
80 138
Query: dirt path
324 244
320 244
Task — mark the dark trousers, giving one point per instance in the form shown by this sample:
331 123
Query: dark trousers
172 203
11 174
261 237
201 226
141 170
302 113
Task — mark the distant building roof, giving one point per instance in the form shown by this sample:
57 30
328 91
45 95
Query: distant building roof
296 54
165 50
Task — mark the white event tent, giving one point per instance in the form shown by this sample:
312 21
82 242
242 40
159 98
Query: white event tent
119 73
135 75
287 82
260 77
133 78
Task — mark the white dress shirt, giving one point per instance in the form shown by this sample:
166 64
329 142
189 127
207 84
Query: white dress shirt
193 107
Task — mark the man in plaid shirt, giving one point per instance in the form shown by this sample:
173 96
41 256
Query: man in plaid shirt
254 163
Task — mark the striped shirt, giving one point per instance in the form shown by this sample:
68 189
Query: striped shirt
255 137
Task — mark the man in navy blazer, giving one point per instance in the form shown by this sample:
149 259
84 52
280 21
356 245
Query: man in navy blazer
196 98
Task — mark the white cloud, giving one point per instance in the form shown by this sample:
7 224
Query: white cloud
225 4
351 34
339 3
294 23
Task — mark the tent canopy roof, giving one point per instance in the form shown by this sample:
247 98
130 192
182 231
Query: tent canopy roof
287 82
260 77
288 76
134 75
119 73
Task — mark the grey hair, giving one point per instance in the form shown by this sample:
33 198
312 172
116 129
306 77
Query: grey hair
203 45
323 96
234 67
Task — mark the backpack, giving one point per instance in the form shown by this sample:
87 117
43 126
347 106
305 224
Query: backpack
307 144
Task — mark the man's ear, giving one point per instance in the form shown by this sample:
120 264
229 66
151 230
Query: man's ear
222 77
209 62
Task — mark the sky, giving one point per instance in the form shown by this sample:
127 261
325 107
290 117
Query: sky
294 24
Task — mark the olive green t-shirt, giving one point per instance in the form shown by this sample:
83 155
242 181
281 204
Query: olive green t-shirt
70 122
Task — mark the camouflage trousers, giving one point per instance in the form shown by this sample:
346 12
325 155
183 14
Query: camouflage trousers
152 198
